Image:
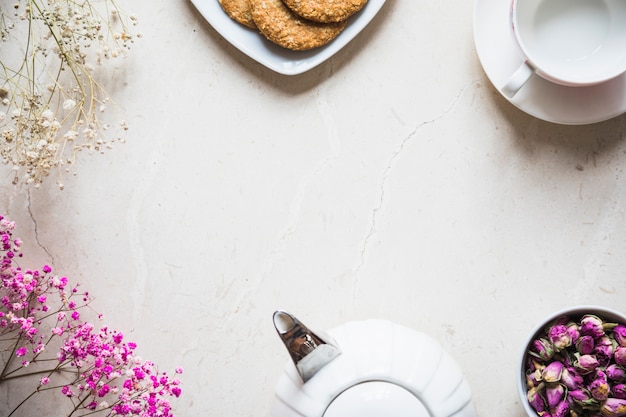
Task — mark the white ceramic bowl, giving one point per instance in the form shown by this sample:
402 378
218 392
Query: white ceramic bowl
384 370
609 315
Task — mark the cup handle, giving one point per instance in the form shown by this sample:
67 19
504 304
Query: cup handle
517 80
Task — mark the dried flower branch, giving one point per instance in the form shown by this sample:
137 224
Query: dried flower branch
46 341
52 103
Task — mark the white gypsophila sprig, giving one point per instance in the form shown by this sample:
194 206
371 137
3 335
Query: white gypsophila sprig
52 104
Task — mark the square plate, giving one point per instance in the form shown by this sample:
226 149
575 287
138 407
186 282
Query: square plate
276 58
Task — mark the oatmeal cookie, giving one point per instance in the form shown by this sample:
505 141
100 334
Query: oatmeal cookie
283 27
325 11
239 11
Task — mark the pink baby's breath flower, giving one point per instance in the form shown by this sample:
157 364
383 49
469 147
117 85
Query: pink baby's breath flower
32 303
139 373
67 391
104 390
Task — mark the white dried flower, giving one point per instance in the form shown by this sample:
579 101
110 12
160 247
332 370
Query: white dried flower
69 104
48 115
70 135
67 39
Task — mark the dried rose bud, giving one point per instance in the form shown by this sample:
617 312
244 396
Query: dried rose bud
585 345
599 387
571 378
559 336
619 333
582 397
591 325
542 349
552 372
604 350
613 407
561 410
619 391
573 330
536 401
534 365
533 379
615 373
620 355
554 394
586 364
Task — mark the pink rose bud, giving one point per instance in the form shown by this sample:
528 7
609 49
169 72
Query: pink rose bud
573 330
561 410
619 391
613 407
542 349
579 395
604 350
536 401
535 365
591 325
582 397
554 394
585 345
615 373
599 387
620 355
619 333
552 372
533 378
571 379
559 336
586 364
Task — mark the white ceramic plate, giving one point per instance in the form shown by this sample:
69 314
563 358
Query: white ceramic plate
383 367
279 59
540 98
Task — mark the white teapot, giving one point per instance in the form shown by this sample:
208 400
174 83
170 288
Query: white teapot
371 368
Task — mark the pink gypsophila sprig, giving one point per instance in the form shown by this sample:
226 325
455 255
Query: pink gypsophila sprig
40 324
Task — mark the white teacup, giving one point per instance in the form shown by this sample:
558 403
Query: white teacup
569 42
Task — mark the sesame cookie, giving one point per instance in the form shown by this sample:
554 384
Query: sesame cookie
239 11
325 10
281 26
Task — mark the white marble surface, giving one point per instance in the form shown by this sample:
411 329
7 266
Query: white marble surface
393 181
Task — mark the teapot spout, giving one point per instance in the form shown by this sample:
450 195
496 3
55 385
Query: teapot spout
309 352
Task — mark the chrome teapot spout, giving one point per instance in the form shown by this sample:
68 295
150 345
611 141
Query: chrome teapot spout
309 352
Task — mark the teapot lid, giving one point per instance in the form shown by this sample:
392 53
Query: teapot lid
376 399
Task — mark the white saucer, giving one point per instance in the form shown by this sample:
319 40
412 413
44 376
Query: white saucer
385 369
282 60
540 98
